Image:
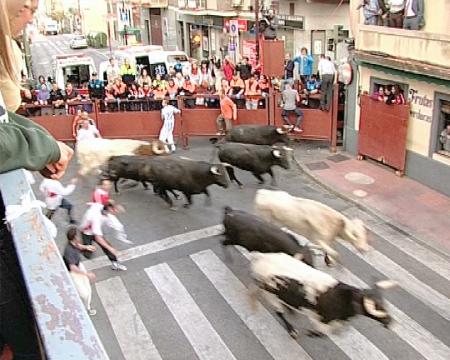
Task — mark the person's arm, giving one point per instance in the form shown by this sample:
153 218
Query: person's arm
297 97
65 190
24 144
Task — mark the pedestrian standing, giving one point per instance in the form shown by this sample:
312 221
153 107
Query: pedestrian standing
95 218
168 117
305 64
328 78
396 13
414 15
290 100
55 197
81 277
288 72
228 112
371 11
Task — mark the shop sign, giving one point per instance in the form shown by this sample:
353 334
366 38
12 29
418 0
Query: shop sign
234 28
242 25
291 21
249 50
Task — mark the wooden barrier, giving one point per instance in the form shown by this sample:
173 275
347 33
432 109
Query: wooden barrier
382 132
316 124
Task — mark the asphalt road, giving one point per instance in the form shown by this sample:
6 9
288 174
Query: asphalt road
44 47
180 298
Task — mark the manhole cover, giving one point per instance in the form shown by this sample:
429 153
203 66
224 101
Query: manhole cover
337 158
360 193
359 178
320 165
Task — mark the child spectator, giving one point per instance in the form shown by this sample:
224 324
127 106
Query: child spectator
43 95
312 87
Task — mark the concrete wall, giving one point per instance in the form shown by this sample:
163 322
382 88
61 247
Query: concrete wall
93 15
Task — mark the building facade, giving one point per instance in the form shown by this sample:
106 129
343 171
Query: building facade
419 62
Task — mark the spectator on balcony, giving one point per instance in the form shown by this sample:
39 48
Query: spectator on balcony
218 75
444 138
56 97
188 87
159 82
172 89
395 13
178 67
28 98
112 71
80 276
378 94
145 91
26 83
205 75
244 68
328 77
237 86
96 87
312 87
119 89
228 68
252 93
127 72
414 15
159 92
41 81
43 95
372 11
228 114
305 64
399 97
290 99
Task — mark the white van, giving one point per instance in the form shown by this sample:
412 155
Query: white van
151 57
74 68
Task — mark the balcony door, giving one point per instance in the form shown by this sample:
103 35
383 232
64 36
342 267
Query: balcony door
156 27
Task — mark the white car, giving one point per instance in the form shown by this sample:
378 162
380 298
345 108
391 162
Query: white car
78 42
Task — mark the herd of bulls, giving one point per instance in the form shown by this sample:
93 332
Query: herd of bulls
282 269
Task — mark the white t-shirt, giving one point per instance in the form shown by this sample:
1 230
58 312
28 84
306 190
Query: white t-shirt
87 134
168 112
54 192
326 67
93 220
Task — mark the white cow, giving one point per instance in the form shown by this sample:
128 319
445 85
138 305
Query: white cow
315 221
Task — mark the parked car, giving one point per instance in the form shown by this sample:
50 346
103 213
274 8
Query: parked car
78 42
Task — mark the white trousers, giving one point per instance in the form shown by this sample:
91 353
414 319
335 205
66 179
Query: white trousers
83 286
166 134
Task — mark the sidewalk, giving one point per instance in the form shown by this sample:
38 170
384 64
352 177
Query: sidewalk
403 202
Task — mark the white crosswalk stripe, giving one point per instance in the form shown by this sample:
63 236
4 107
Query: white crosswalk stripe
206 342
133 338
136 341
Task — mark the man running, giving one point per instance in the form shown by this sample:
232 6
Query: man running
95 218
168 117
55 194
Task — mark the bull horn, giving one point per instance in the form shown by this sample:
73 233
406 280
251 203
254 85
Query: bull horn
215 170
281 131
386 284
156 149
371 309
287 148
276 153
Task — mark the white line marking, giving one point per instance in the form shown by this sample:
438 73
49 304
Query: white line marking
133 337
420 339
204 339
156 246
434 299
58 50
269 332
424 256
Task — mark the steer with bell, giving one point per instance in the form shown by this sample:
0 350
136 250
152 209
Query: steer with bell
290 284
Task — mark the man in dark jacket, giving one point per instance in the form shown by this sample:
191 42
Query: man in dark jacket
288 72
245 69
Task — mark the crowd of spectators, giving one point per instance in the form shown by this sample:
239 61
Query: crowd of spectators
389 94
406 14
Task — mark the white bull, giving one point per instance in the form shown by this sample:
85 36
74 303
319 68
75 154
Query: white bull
315 221
93 154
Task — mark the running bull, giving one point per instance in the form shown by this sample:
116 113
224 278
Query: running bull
188 176
258 134
255 234
258 159
288 283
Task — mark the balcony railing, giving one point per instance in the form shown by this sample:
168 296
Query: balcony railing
413 45
64 327
192 4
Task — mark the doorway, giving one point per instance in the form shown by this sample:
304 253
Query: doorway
318 38
156 27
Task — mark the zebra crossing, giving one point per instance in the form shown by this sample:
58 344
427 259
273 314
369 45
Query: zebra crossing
205 298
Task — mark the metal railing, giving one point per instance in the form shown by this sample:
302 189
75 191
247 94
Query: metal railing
64 327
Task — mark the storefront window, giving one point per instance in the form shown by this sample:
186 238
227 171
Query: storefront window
444 129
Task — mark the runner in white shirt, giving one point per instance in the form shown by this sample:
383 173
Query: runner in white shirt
87 132
168 117
91 228
55 193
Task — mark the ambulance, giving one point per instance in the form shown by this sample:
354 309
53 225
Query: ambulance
74 68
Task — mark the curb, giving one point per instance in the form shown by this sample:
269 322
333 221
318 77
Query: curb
359 204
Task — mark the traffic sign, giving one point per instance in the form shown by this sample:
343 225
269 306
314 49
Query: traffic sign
234 28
